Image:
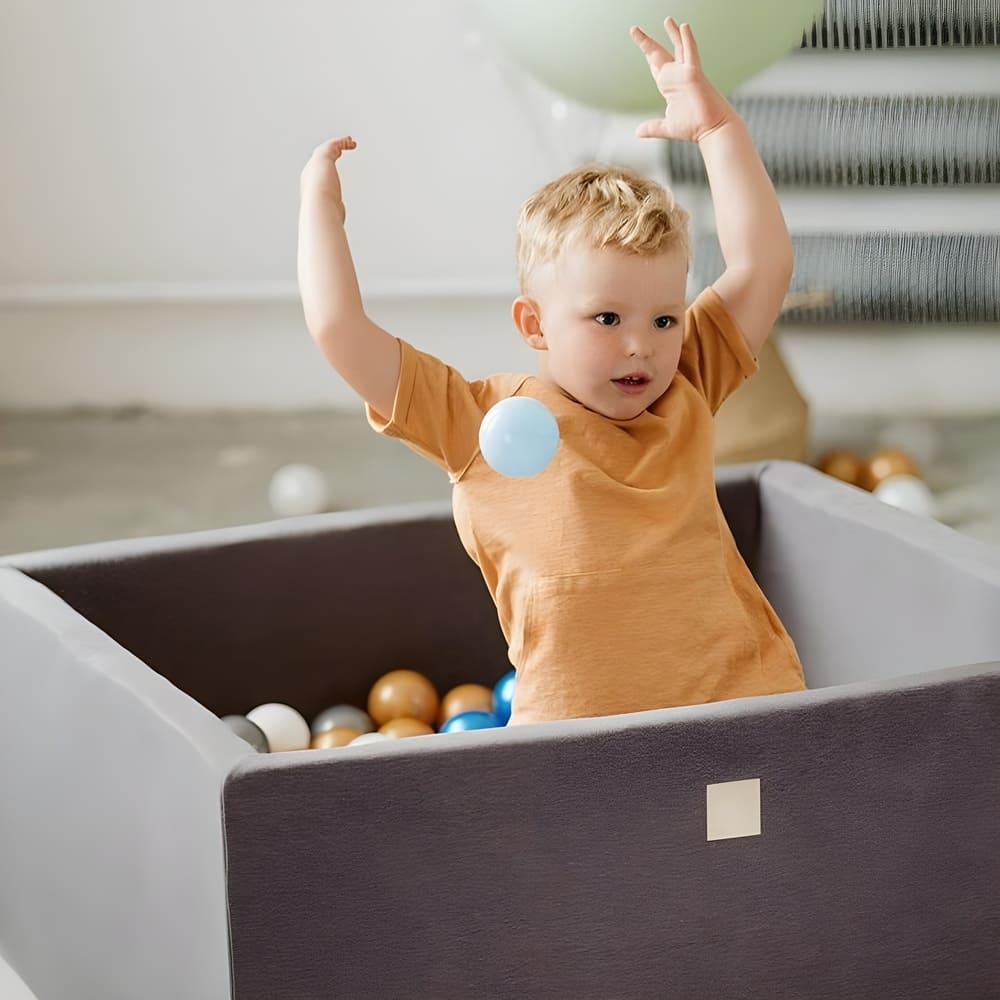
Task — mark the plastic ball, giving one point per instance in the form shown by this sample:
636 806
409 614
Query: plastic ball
297 489
283 726
469 721
403 728
843 464
403 694
518 436
465 698
247 730
365 738
336 736
907 493
917 437
342 715
503 695
736 41
888 462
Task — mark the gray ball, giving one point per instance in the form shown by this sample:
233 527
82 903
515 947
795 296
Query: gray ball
343 715
249 731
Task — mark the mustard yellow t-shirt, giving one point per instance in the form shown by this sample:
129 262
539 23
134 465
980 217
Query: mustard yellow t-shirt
617 582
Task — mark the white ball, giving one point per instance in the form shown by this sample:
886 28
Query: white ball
297 489
284 727
907 493
370 738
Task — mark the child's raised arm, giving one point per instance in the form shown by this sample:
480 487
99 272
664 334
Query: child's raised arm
752 232
364 354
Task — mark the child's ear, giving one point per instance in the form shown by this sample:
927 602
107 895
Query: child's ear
528 320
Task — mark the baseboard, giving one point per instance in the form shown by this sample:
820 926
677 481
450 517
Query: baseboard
258 355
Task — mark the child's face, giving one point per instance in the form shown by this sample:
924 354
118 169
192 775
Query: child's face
598 316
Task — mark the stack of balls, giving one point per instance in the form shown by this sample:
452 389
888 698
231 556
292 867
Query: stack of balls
401 703
888 473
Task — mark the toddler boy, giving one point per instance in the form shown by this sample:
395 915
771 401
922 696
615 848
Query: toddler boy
617 582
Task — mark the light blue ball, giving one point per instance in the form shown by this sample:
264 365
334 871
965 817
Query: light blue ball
465 722
503 695
518 436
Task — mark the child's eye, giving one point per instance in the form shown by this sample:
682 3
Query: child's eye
608 318
662 322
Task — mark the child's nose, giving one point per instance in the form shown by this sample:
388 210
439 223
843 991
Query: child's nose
639 345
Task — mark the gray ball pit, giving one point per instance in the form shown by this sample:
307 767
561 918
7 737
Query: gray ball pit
147 851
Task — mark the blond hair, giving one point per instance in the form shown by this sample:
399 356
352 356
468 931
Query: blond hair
605 206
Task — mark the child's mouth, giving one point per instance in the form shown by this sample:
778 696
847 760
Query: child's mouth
631 383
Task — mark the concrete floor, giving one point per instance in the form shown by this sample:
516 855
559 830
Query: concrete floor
90 476
69 478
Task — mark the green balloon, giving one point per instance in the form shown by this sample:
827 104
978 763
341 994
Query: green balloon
582 48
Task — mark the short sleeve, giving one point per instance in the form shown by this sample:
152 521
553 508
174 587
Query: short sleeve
436 412
715 357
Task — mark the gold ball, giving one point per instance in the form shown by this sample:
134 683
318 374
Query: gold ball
402 728
465 698
403 694
337 736
843 464
888 462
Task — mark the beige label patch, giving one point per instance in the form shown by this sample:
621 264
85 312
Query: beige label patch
733 809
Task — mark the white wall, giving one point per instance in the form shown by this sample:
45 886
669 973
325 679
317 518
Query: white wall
149 185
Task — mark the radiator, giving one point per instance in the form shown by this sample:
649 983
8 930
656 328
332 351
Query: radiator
883 277
828 142
884 24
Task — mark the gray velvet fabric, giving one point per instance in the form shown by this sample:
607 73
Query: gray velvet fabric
571 860
869 591
304 611
140 840
111 855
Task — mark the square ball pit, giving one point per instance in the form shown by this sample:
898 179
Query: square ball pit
147 852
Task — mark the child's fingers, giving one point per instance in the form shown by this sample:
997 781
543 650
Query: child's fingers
654 128
692 56
334 147
674 34
656 55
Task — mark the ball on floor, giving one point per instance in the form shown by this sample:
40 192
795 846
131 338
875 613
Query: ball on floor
297 489
886 462
907 493
918 437
843 464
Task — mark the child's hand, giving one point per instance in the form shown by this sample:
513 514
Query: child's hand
694 106
321 170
